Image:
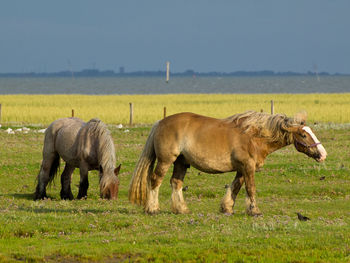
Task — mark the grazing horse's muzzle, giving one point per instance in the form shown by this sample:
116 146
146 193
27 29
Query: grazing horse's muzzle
111 192
110 188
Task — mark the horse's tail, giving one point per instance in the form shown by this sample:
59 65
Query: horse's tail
143 171
50 152
54 168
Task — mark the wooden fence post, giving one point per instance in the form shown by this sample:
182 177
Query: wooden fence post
167 71
164 112
272 107
72 112
131 113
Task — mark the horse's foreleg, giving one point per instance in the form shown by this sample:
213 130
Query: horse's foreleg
152 203
252 208
66 192
84 182
178 204
229 199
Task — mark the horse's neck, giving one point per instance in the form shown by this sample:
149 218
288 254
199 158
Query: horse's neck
264 147
274 146
267 147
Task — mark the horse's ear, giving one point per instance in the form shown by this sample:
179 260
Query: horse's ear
300 117
116 170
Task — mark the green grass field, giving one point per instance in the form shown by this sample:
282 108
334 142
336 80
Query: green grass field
98 230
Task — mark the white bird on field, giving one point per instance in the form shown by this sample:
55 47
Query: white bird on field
9 131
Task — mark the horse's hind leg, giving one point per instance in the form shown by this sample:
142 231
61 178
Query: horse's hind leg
66 192
84 182
229 199
178 204
46 170
152 203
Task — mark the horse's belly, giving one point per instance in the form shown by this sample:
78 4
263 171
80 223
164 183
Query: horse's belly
214 164
66 148
76 160
70 159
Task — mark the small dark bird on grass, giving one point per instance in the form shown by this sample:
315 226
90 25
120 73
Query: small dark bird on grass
302 218
185 188
322 178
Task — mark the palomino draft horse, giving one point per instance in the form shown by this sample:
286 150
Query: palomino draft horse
87 146
238 143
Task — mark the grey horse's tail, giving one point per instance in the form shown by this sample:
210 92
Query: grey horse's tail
143 171
54 168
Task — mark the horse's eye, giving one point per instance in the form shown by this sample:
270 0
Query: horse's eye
303 135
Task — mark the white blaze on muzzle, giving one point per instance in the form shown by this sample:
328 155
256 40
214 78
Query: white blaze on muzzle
320 148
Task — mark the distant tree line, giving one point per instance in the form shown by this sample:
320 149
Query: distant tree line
160 73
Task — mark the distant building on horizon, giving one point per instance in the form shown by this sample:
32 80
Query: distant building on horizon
121 70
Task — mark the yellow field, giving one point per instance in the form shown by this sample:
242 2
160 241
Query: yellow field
114 109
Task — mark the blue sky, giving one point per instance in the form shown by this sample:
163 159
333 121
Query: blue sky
279 35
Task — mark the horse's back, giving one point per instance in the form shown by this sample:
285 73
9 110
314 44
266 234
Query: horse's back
57 125
65 123
173 129
191 124
61 137
66 129
205 142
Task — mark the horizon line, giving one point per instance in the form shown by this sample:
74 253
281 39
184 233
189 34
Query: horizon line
189 72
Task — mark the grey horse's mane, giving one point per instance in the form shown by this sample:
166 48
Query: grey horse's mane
265 125
106 151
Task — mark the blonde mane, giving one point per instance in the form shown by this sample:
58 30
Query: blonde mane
271 127
105 152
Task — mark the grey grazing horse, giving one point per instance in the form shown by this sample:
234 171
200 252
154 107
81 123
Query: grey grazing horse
87 146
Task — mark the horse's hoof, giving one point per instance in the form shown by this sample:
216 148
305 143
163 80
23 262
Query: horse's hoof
154 212
181 210
184 212
67 197
256 214
40 197
226 211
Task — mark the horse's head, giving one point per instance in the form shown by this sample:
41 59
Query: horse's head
305 141
109 190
